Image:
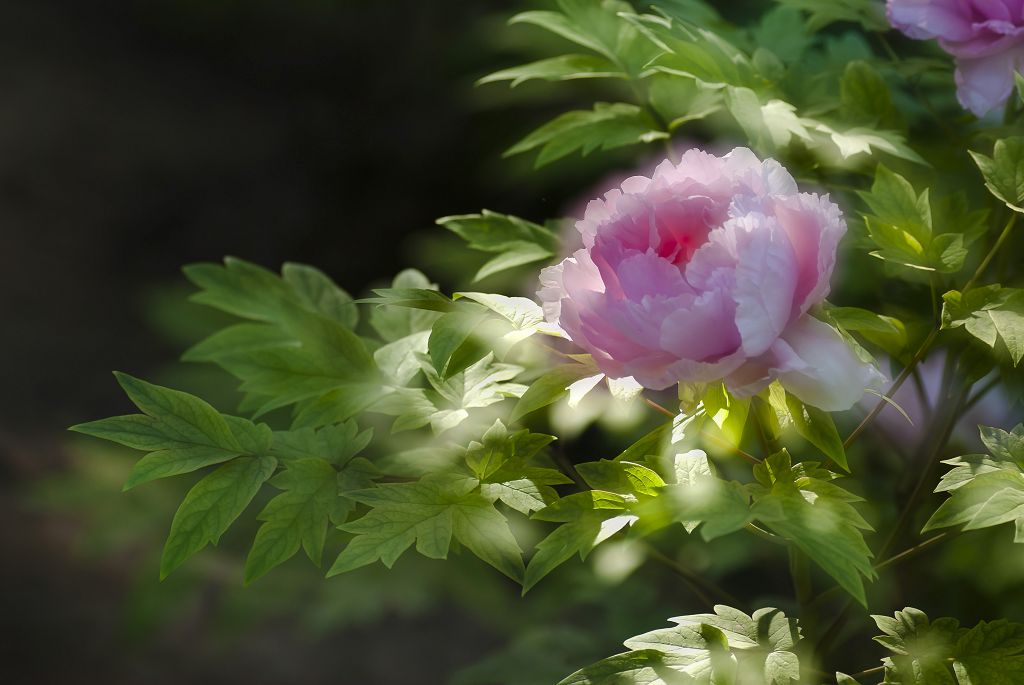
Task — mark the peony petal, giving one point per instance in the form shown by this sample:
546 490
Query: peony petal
704 329
766 279
924 19
984 84
814 226
825 372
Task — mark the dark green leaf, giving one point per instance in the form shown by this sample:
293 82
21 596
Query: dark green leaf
211 506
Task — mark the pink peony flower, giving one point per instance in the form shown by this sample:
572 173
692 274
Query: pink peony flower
705 272
985 36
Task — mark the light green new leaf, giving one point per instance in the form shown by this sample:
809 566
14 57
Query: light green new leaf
562 68
429 513
297 517
607 126
1004 171
211 506
727 647
181 432
798 503
989 313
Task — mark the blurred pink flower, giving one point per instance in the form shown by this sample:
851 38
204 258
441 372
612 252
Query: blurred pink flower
919 401
705 272
985 36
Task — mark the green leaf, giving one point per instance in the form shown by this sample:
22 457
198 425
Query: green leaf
508 468
182 432
242 337
524 316
447 403
551 387
925 651
867 13
901 225
694 52
865 97
990 653
414 298
894 201
782 30
252 292
621 477
588 518
336 444
725 647
607 126
451 345
921 648
517 241
501 450
989 313
211 506
885 331
816 426
769 126
320 294
863 140
985 490
304 306
430 513
562 68
396 322
596 26
297 517
1004 171
798 503
727 412
698 497
641 667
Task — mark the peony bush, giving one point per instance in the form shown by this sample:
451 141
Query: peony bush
745 318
